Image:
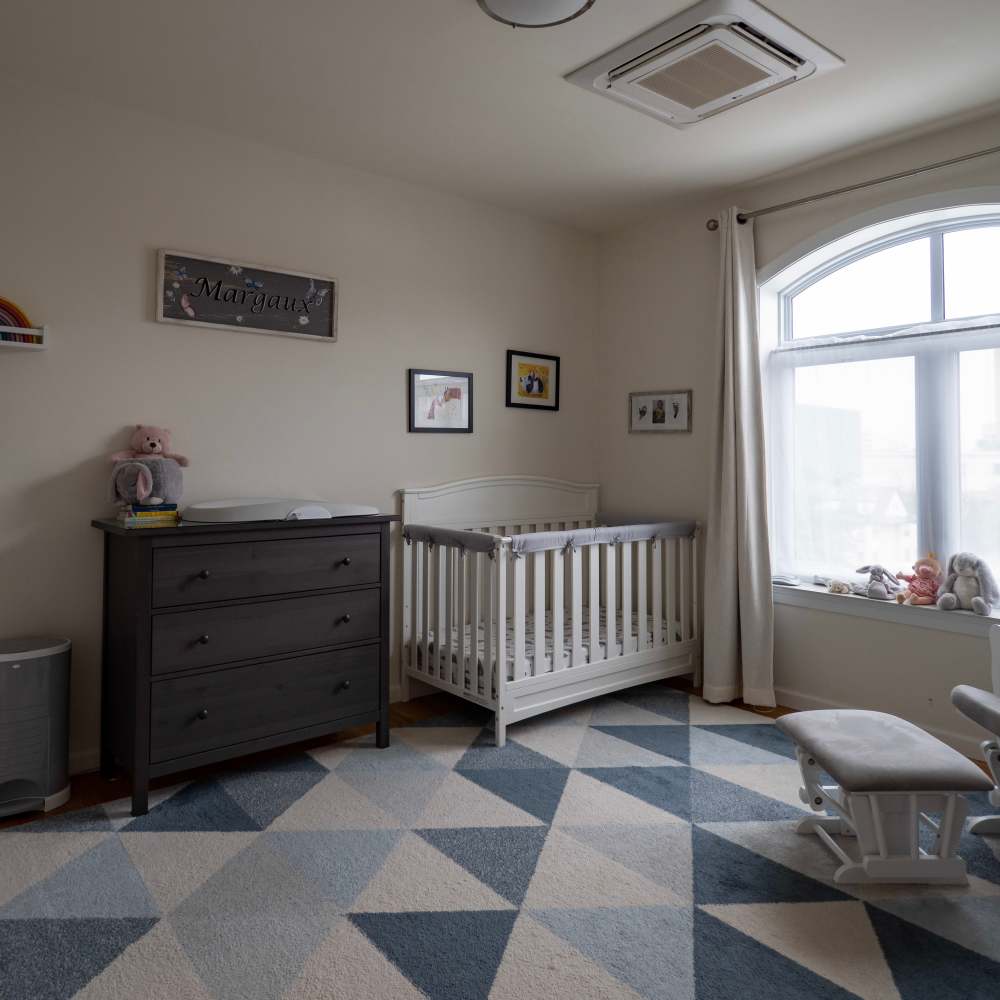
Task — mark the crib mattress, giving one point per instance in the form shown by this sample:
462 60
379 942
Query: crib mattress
529 642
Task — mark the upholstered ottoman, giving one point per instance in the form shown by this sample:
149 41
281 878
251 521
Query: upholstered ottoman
891 779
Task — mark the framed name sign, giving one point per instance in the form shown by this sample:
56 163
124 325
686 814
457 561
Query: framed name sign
210 291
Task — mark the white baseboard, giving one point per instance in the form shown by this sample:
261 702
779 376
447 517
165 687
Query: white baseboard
967 745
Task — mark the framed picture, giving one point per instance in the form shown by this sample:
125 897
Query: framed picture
532 380
662 411
440 402
229 295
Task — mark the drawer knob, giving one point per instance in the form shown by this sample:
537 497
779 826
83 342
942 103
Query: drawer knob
344 686
203 639
204 574
344 619
346 561
203 714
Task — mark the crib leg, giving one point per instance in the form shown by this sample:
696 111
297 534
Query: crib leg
500 730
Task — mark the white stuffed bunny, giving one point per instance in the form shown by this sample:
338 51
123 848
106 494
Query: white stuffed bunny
970 585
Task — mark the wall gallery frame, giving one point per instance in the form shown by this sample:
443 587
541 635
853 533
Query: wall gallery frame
192 290
532 380
439 402
659 411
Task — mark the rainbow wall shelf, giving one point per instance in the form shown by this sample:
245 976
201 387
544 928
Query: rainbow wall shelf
24 338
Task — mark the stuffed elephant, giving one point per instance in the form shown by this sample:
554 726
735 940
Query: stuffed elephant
147 481
881 586
969 587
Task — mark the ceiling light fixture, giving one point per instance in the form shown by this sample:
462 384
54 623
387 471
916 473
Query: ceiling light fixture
535 13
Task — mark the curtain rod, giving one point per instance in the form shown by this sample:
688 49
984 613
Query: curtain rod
713 224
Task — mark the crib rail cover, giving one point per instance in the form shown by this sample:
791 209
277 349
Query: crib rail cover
471 541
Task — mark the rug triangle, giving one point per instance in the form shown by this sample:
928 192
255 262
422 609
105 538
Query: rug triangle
462 802
774 781
666 788
701 713
711 747
558 743
154 967
90 820
446 744
56 957
101 883
729 965
726 873
649 948
716 801
422 947
403 794
803 932
911 951
334 804
347 966
34 858
173 865
265 792
662 854
569 874
203 805
338 864
982 856
658 699
535 790
513 756
502 857
602 747
667 741
537 963
612 712
587 801
417 877
970 921
764 738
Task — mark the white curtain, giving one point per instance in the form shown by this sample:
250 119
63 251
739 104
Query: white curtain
739 612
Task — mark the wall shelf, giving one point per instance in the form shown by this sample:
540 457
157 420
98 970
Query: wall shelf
39 332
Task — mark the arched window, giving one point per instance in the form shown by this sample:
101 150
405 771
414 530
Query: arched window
882 379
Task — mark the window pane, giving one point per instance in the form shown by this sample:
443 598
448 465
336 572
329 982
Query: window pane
972 272
980 375
854 475
888 288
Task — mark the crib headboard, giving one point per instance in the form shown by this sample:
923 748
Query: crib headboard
506 505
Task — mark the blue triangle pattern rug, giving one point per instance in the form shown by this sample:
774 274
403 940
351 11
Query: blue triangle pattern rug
638 846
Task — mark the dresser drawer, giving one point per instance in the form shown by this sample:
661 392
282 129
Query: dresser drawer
183 640
208 711
192 574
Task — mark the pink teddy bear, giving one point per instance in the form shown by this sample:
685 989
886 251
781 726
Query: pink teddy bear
149 442
922 587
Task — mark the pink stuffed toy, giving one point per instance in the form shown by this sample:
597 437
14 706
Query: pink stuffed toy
922 586
149 442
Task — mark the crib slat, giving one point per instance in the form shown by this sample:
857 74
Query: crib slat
520 613
489 616
558 639
449 618
578 655
669 597
500 646
685 589
539 611
695 624
594 604
641 632
472 612
441 572
628 645
611 601
656 571
408 653
428 578
462 560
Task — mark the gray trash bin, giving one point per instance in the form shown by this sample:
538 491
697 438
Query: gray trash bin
34 724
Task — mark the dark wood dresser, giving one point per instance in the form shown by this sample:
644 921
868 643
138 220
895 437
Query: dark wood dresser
224 639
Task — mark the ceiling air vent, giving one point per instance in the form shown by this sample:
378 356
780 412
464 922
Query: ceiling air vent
712 56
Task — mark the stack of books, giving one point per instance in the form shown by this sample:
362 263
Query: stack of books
162 515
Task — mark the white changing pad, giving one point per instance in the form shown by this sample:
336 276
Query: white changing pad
270 509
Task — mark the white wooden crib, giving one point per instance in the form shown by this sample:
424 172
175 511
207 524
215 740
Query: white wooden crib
514 600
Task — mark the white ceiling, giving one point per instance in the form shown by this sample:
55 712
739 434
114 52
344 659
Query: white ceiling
435 92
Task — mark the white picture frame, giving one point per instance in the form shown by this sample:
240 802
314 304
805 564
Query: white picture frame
660 411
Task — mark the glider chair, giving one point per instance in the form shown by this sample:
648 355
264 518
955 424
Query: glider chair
983 708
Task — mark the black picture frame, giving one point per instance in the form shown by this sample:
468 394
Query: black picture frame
550 359
411 399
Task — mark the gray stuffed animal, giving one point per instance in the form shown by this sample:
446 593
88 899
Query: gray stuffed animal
969 587
881 586
151 480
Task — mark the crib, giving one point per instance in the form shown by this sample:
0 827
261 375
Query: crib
517 599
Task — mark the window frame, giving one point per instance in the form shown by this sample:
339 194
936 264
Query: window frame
935 346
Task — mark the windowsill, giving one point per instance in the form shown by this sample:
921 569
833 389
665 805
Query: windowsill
820 599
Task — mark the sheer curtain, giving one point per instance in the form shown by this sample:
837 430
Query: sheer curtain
739 612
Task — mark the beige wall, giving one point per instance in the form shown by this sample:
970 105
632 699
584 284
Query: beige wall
426 281
658 318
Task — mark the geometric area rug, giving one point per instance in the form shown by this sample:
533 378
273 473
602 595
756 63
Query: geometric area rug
635 846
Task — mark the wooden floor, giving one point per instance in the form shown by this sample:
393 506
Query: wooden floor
91 789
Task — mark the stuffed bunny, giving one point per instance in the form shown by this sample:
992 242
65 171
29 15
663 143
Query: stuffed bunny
970 585
881 586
